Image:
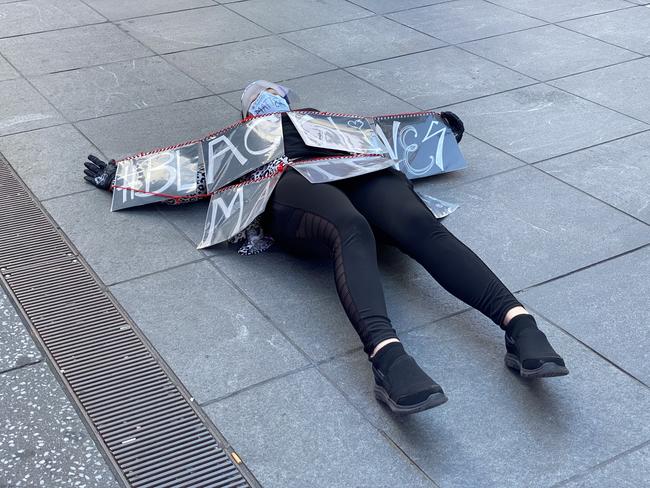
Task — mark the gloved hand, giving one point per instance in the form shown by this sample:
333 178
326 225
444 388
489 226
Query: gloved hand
99 173
455 124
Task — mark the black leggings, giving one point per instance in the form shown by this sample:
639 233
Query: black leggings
345 217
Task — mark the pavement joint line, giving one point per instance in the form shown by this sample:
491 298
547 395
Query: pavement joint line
154 273
600 465
618 63
25 34
23 366
610 205
403 453
588 347
403 10
149 107
261 311
582 268
598 103
564 20
175 11
43 200
252 386
562 26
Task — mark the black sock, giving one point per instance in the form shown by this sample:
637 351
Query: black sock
532 344
519 323
387 355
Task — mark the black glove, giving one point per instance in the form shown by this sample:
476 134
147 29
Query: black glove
455 124
99 173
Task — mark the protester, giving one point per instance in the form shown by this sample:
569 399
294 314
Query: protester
346 218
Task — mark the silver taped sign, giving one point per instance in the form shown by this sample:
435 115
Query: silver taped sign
351 134
421 144
242 148
157 177
234 207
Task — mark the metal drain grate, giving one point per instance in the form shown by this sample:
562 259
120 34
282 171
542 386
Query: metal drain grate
140 414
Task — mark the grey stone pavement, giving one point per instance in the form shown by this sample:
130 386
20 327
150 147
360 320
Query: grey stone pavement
554 95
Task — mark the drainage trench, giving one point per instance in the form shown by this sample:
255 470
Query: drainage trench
142 418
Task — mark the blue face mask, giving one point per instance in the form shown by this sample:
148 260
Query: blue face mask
267 103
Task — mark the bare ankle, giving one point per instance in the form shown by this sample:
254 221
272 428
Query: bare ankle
512 313
382 344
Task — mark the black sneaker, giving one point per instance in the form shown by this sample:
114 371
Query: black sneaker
532 355
416 394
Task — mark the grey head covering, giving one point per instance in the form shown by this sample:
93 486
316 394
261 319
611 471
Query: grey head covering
252 91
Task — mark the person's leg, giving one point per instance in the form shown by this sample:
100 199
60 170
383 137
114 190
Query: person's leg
308 216
387 200
389 203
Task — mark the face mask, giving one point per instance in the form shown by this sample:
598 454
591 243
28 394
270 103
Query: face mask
267 103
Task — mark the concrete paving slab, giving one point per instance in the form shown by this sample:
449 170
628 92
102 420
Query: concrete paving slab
621 87
362 41
118 87
299 431
226 343
29 16
548 52
483 160
558 10
418 79
47 52
626 28
530 227
465 20
288 15
49 161
540 122
17 349
232 66
601 307
340 92
560 426
126 134
189 29
23 108
628 471
617 172
43 442
6 70
124 9
119 245
311 313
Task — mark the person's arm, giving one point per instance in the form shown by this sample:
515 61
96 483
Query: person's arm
100 173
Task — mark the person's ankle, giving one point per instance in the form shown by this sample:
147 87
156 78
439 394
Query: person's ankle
387 355
382 344
519 323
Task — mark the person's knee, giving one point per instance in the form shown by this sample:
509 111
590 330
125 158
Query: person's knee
354 228
417 224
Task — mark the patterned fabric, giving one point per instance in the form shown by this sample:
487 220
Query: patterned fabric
252 238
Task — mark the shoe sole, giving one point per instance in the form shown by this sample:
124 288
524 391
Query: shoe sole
433 400
546 370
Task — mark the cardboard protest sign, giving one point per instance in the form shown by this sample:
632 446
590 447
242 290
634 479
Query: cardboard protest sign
321 170
339 132
242 148
421 144
157 176
233 207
